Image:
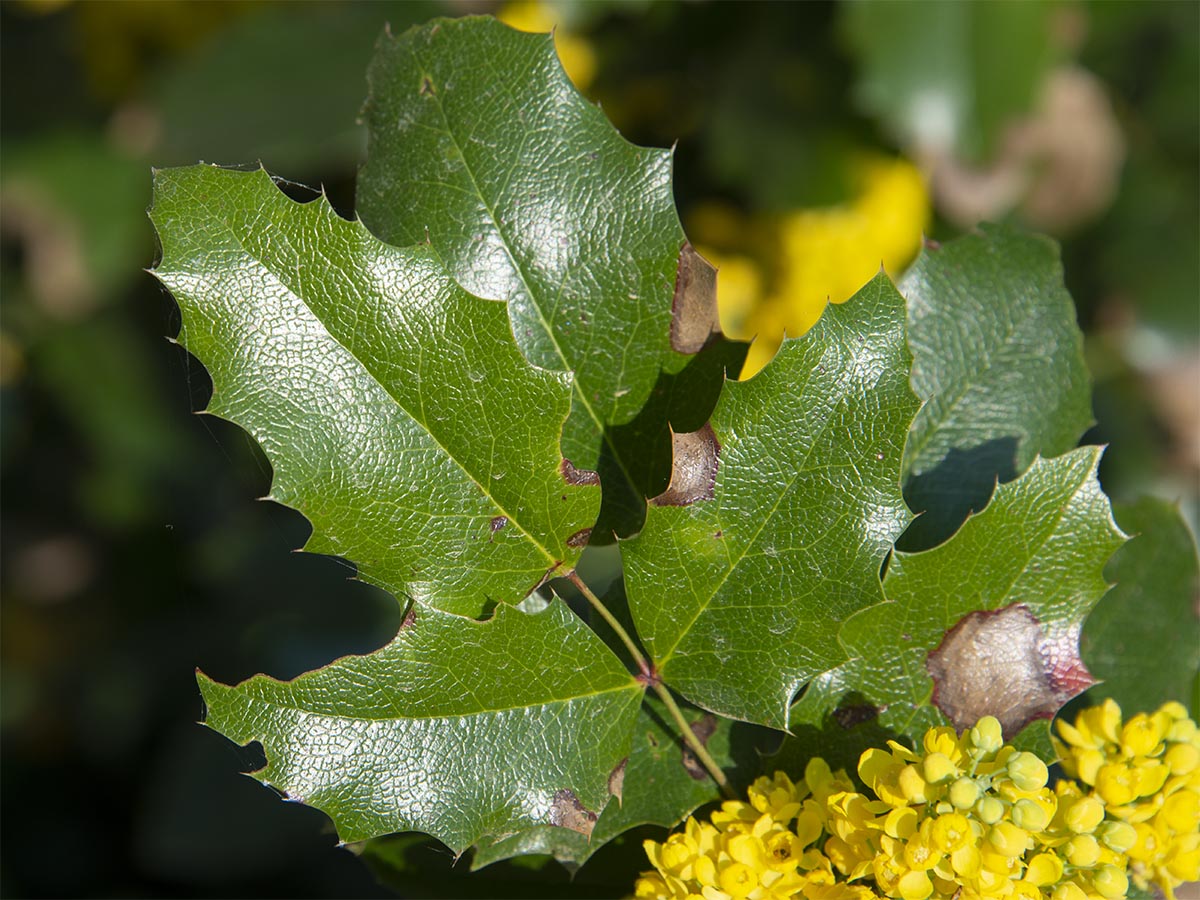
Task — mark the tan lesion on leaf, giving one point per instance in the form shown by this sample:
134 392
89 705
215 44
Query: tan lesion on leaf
567 812
616 781
574 476
695 458
1002 663
694 318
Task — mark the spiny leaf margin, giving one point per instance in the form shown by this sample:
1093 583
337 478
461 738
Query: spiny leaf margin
990 563
431 733
807 492
478 139
367 374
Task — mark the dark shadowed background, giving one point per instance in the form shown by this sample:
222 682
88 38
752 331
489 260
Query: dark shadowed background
134 549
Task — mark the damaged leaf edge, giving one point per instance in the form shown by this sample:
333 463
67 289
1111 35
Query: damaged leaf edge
210 686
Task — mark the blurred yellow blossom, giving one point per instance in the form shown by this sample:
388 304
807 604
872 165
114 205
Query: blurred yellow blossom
968 817
818 255
576 54
1144 776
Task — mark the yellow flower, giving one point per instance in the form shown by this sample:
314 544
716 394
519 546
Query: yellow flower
816 256
574 52
1144 775
966 817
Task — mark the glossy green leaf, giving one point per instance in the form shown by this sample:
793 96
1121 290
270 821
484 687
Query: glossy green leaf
1142 641
457 728
479 143
1037 552
998 359
739 593
662 785
398 414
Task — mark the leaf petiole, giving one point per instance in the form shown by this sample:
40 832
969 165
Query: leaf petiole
650 677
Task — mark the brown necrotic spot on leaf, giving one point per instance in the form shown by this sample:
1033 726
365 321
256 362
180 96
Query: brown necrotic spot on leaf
695 457
572 475
854 714
410 617
567 812
703 730
616 780
579 538
1001 663
497 523
694 316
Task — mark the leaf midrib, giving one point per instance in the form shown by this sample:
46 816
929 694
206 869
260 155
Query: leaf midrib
802 469
483 488
520 270
239 689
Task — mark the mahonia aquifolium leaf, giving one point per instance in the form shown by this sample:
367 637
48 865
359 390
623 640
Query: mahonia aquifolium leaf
998 360
779 516
665 784
395 408
460 729
1142 641
1017 580
479 143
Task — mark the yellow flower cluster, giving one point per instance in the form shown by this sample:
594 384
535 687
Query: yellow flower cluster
1146 773
822 255
966 817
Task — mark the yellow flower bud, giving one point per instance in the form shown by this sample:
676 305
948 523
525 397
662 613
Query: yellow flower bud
989 810
649 887
1150 777
1118 836
942 740
704 870
1088 763
1173 709
1082 851
1044 869
1027 771
737 880
1183 859
937 767
986 737
1069 890
912 785
915 886
901 822
966 861
676 853
1181 811
746 849
817 774
1182 759
1148 846
1116 784
964 793
1105 720
1141 735
1084 815
1029 815
1183 729
1008 839
1110 882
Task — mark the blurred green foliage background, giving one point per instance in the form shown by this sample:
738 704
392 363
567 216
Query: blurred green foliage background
133 546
